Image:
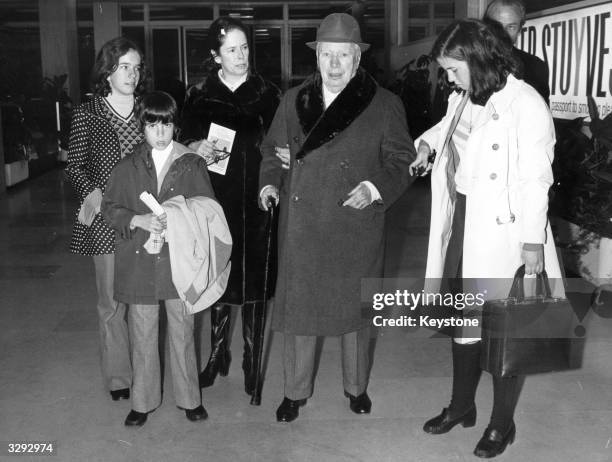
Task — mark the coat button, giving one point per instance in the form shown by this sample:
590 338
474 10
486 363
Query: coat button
296 198
138 251
296 139
493 176
495 116
495 147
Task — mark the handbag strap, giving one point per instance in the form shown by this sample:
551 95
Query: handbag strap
518 288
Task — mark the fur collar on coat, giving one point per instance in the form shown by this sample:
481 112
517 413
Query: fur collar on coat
320 125
249 95
251 107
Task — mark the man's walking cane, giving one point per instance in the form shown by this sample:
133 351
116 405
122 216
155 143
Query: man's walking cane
259 324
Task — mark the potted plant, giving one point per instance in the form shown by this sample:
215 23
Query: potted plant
581 196
17 143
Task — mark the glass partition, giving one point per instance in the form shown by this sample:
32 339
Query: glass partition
267 51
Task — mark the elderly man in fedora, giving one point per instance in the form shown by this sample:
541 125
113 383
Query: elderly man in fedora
336 156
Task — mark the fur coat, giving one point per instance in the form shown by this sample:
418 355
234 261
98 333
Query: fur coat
248 111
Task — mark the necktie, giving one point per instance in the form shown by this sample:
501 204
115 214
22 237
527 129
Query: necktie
451 150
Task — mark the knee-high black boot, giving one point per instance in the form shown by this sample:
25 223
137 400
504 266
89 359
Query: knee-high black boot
466 375
253 323
220 355
501 430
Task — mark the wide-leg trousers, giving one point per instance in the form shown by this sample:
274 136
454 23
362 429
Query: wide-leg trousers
114 342
299 362
144 334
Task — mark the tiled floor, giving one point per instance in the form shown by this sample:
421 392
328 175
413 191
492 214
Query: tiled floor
50 385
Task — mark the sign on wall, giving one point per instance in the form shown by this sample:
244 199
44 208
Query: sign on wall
576 45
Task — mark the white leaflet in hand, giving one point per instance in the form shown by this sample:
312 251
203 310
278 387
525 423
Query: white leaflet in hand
152 203
224 138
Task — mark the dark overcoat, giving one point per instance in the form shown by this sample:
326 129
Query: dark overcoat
141 277
534 71
248 111
325 249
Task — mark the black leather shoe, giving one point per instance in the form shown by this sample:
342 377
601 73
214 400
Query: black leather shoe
124 393
361 404
135 418
446 421
493 442
289 410
195 414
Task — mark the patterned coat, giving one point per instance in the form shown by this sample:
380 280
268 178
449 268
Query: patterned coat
94 150
249 111
325 250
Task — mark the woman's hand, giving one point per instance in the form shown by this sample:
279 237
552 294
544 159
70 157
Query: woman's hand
90 207
533 260
150 222
284 155
205 149
421 164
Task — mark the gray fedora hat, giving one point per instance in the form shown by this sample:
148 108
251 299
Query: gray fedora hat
339 28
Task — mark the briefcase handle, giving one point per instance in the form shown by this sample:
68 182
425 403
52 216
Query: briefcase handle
518 288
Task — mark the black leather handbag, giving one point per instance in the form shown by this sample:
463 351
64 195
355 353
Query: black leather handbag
523 336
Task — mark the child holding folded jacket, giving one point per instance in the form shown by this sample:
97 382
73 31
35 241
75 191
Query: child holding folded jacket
167 170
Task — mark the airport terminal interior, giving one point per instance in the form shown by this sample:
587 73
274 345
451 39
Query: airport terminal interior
51 387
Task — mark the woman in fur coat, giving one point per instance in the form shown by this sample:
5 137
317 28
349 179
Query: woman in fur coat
239 99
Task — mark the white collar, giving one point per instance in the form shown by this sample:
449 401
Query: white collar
232 87
329 96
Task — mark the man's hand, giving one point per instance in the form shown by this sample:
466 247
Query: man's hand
284 155
268 197
359 198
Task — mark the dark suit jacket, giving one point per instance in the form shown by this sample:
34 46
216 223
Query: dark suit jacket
534 72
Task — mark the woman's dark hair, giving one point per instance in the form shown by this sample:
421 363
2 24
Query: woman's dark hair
217 35
485 48
157 106
107 62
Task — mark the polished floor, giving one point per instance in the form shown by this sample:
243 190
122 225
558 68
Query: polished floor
51 389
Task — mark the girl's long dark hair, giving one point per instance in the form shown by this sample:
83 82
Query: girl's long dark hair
487 50
107 62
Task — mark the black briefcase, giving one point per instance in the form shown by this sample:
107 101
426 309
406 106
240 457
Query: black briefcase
523 336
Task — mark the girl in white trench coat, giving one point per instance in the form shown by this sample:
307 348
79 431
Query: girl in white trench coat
503 139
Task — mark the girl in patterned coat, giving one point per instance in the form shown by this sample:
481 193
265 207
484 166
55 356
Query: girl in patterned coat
104 130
